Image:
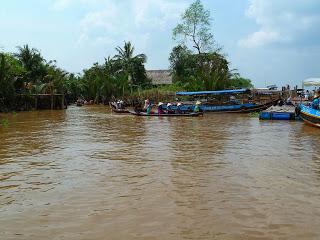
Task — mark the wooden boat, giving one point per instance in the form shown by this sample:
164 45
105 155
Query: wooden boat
236 108
232 106
121 111
191 114
309 115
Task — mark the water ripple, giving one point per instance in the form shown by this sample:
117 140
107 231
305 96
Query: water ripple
86 173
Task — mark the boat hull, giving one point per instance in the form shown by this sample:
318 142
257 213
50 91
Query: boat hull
167 115
120 111
309 115
237 108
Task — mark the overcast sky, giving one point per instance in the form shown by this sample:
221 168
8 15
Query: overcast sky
268 41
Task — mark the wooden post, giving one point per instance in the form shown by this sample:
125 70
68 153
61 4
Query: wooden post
62 101
52 101
36 102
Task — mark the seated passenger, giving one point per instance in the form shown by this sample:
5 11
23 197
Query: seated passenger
169 109
315 102
146 104
179 110
149 107
197 107
160 108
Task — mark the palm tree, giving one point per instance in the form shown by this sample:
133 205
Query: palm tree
132 65
33 63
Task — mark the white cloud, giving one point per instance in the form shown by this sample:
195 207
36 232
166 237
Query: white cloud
260 38
157 12
128 20
61 4
285 21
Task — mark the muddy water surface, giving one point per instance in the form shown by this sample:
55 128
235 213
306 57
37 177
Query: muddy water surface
85 173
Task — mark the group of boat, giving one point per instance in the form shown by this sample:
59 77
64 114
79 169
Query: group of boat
225 101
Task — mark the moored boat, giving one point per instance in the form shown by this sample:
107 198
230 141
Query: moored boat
191 114
118 107
123 110
309 115
216 102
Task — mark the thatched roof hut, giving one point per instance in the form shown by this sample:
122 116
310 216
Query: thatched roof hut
160 77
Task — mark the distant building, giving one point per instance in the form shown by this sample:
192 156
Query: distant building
160 77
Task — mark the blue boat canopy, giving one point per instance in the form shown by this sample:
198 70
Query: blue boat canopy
212 92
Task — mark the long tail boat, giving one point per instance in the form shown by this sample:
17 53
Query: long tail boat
221 105
309 115
120 110
191 114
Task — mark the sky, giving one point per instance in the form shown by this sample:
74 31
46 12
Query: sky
267 41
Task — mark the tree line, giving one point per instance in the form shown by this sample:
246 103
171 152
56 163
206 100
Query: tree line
27 72
196 63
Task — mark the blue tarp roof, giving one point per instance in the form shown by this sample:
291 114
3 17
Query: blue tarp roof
212 92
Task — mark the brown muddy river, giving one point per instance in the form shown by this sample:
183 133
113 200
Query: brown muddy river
85 173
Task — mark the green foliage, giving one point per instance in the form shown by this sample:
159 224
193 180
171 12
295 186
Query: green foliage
7 90
181 63
132 66
118 76
4 122
208 69
195 28
27 72
205 71
254 115
239 82
33 64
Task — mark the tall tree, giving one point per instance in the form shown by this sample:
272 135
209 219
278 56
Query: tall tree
33 63
195 28
132 65
8 66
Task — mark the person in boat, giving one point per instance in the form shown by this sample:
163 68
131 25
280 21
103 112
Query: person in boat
179 110
307 95
147 106
169 109
315 102
79 102
232 99
197 107
160 108
120 104
288 101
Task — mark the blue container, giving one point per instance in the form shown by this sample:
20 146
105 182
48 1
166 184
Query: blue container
277 116
265 116
281 116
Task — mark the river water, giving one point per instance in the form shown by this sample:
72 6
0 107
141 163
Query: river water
86 173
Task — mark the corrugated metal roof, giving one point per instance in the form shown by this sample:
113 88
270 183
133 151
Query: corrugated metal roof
212 92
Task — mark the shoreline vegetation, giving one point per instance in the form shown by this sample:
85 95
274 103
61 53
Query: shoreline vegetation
29 81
